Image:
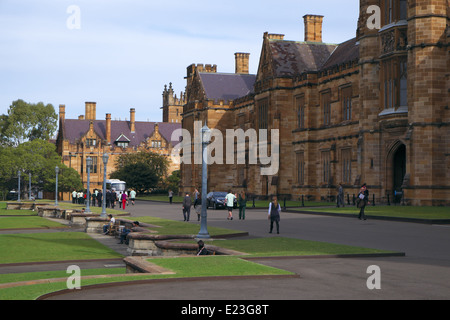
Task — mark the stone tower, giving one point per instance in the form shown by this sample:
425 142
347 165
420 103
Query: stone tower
172 105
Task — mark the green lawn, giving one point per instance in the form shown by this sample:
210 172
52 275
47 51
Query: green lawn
170 227
26 222
279 246
59 246
389 211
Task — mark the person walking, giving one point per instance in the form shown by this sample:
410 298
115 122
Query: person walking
74 196
170 196
274 214
113 198
132 196
124 199
99 198
229 199
340 197
187 202
362 201
242 205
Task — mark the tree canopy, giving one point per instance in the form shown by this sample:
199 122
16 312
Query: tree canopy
141 171
27 122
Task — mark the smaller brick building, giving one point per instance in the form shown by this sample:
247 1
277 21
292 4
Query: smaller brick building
90 137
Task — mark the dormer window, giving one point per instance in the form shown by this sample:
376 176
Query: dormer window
91 142
122 141
156 143
122 144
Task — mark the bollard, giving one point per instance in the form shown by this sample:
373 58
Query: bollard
303 202
373 202
348 199
253 202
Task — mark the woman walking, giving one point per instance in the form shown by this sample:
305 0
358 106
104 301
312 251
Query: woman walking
124 199
274 214
362 201
242 205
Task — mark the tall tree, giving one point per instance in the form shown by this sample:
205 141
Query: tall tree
39 158
26 122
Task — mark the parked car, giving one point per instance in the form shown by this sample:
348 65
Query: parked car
216 199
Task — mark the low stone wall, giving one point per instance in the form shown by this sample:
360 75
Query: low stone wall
24 205
143 244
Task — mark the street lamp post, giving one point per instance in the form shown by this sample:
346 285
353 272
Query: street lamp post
88 196
18 187
206 138
105 162
29 185
56 188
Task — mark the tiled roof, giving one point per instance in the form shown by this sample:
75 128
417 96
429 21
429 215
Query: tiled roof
74 129
345 52
291 58
227 86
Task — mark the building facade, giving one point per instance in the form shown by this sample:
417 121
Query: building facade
372 110
87 136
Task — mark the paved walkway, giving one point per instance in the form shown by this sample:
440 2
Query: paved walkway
424 273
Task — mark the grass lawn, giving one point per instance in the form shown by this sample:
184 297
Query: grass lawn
17 248
390 211
26 222
279 246
170 227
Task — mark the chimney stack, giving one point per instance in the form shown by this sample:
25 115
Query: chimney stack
313 28
108 128
90 108
242 62
62 112
132 120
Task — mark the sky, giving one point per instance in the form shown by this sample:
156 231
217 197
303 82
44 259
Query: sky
121 53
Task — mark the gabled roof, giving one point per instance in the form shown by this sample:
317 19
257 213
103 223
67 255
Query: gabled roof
291 58
227 86
74 129
345 52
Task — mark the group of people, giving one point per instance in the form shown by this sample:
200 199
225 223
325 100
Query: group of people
111 198
125 231
274 207
230 197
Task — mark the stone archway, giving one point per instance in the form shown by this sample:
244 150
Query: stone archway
395 170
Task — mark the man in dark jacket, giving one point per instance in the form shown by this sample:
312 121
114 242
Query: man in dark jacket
99 198
187 202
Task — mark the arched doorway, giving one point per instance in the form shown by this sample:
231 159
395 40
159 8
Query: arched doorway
399 171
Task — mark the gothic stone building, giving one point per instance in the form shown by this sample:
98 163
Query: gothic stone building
372 110
89 137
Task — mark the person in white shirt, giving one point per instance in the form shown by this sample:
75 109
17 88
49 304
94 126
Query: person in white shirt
230 203
132 196
274 214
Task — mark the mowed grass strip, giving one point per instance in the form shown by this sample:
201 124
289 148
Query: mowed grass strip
171 227
44 247
389 211
28 222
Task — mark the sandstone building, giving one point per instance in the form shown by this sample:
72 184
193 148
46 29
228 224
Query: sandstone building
89 137
372 110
